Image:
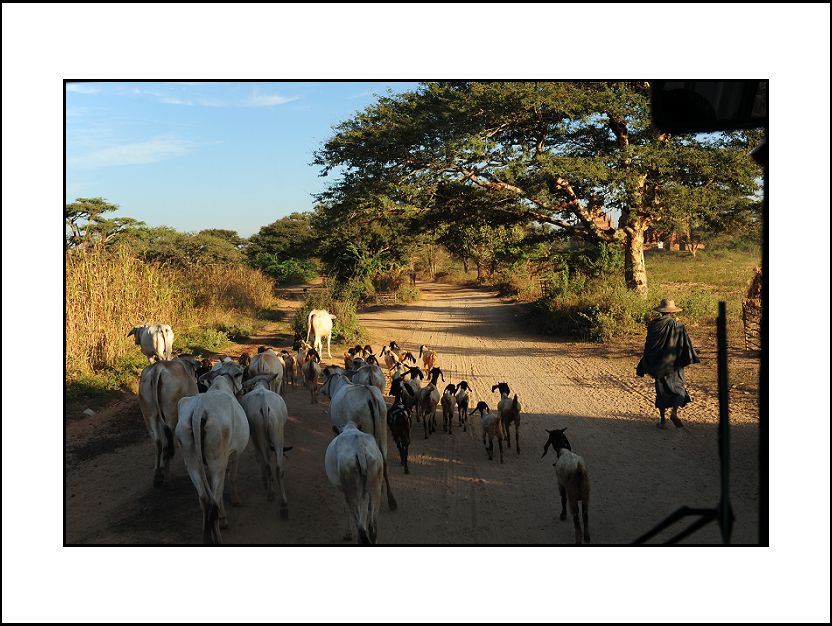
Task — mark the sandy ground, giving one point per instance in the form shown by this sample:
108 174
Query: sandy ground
454 494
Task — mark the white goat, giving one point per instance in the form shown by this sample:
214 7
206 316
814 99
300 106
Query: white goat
462 400
390 358
573 481
448 401
492 426
362 405
267 416
509 411
213 432
162 386
320 321
355 465
426 401
156 340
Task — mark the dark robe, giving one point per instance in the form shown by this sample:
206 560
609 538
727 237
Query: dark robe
667 351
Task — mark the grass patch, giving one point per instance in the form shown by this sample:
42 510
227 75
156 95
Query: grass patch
600 309
107 383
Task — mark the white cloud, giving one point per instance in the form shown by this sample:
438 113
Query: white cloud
268 100
82 88
174 100
151 151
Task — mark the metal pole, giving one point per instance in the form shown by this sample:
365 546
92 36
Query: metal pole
725 513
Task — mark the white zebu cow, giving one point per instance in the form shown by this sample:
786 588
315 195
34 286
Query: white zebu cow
370 375
364 406
320 321
162 386
354 464
267 362
156 340
213 432
267 417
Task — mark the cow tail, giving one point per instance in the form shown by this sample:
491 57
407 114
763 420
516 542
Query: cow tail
198 422
372 414
361 503
170 450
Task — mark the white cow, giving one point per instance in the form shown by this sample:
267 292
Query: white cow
320 321
364 406
213 432
156 340
370 375
354 464
267 362
162 386
267 417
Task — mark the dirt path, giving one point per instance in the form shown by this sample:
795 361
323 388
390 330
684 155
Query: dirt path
454 494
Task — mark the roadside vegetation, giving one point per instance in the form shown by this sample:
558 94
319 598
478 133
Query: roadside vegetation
549 193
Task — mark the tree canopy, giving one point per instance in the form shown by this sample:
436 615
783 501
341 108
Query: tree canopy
87 224
548 153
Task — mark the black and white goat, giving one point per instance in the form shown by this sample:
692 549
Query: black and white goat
573 481
398 420
448 401
427 400
462 400
492 426
509 411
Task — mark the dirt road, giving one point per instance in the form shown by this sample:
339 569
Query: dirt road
454 494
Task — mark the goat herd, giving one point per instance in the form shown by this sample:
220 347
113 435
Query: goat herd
211 410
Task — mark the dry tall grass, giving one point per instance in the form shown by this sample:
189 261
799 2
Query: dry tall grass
108 292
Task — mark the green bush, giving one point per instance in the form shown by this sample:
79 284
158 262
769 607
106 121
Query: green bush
346 326
409 294
601 310
286 271
123 375
196 340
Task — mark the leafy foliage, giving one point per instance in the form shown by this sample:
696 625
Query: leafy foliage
289 237
544 154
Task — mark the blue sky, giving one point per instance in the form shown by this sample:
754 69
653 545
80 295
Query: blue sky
205 155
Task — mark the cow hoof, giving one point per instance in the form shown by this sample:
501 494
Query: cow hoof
562 516
586 539
223 522
406 470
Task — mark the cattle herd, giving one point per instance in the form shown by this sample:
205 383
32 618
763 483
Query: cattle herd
210 411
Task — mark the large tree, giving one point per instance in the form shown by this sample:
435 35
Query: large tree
564 152
290 237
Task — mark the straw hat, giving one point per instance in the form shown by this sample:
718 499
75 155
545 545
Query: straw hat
667 306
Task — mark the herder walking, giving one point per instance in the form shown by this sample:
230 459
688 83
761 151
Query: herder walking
667 352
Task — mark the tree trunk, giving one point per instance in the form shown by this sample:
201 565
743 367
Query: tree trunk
479 270
465 264
634 271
